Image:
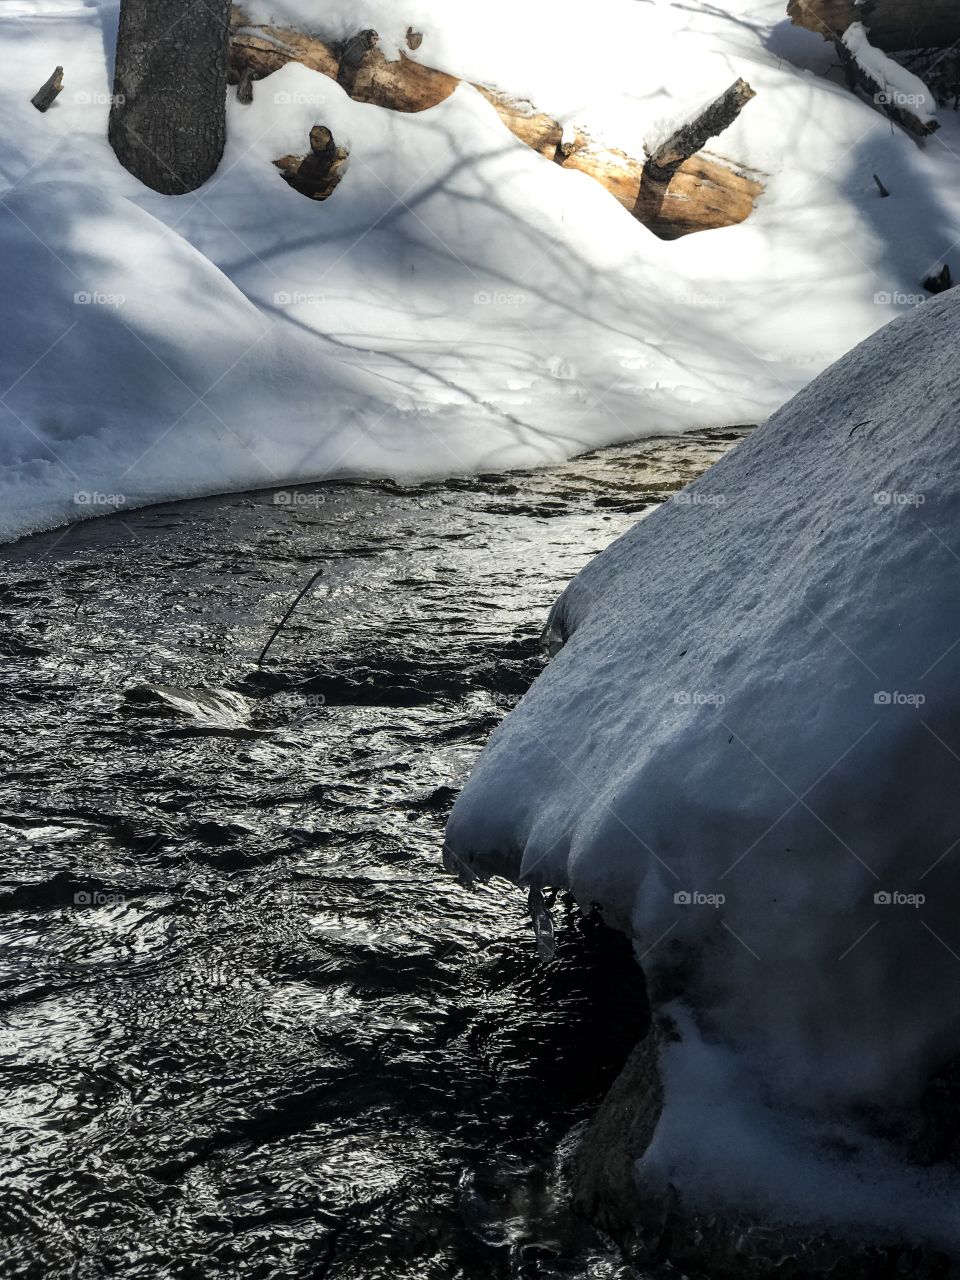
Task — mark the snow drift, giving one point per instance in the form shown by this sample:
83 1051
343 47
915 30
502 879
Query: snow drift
133 354
747 752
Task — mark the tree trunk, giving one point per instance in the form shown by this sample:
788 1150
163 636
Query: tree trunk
168 119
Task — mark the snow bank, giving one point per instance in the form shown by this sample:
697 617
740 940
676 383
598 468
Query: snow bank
747 753
460 303
141 370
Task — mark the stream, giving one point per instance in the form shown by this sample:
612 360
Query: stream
248 1024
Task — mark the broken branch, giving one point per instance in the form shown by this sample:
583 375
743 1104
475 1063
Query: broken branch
48 91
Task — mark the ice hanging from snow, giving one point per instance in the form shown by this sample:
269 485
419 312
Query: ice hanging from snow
542 922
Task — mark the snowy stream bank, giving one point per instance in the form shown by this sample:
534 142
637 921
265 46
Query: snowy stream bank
747 753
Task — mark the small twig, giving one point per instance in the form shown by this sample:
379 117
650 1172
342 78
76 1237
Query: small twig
883 189
278 628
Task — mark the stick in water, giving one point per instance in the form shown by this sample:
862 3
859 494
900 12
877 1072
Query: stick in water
279 627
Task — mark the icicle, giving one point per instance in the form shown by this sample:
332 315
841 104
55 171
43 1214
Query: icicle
457 867
542 923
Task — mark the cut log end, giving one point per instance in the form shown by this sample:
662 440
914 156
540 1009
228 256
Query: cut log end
318 174
48 91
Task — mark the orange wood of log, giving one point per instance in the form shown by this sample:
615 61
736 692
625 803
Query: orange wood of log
703 194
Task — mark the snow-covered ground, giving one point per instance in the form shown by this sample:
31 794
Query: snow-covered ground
747 752
460 303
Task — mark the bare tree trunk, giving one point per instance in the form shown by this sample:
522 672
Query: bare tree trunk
168 119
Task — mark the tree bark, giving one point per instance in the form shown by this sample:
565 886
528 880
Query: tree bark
168 119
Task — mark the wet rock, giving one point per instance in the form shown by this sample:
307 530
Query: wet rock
653 1228
603 1179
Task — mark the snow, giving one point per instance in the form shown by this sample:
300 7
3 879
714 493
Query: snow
460 303
746 753
898 87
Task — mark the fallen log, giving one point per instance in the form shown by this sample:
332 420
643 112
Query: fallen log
828 18
267 49
692 136
836 21
864 75
894 25
702 193
682 145
48 91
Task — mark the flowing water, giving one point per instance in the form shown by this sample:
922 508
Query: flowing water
248 1025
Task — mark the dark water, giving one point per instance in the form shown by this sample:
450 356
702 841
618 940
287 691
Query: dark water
248 1026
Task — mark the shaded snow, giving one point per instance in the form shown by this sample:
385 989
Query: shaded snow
748 753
